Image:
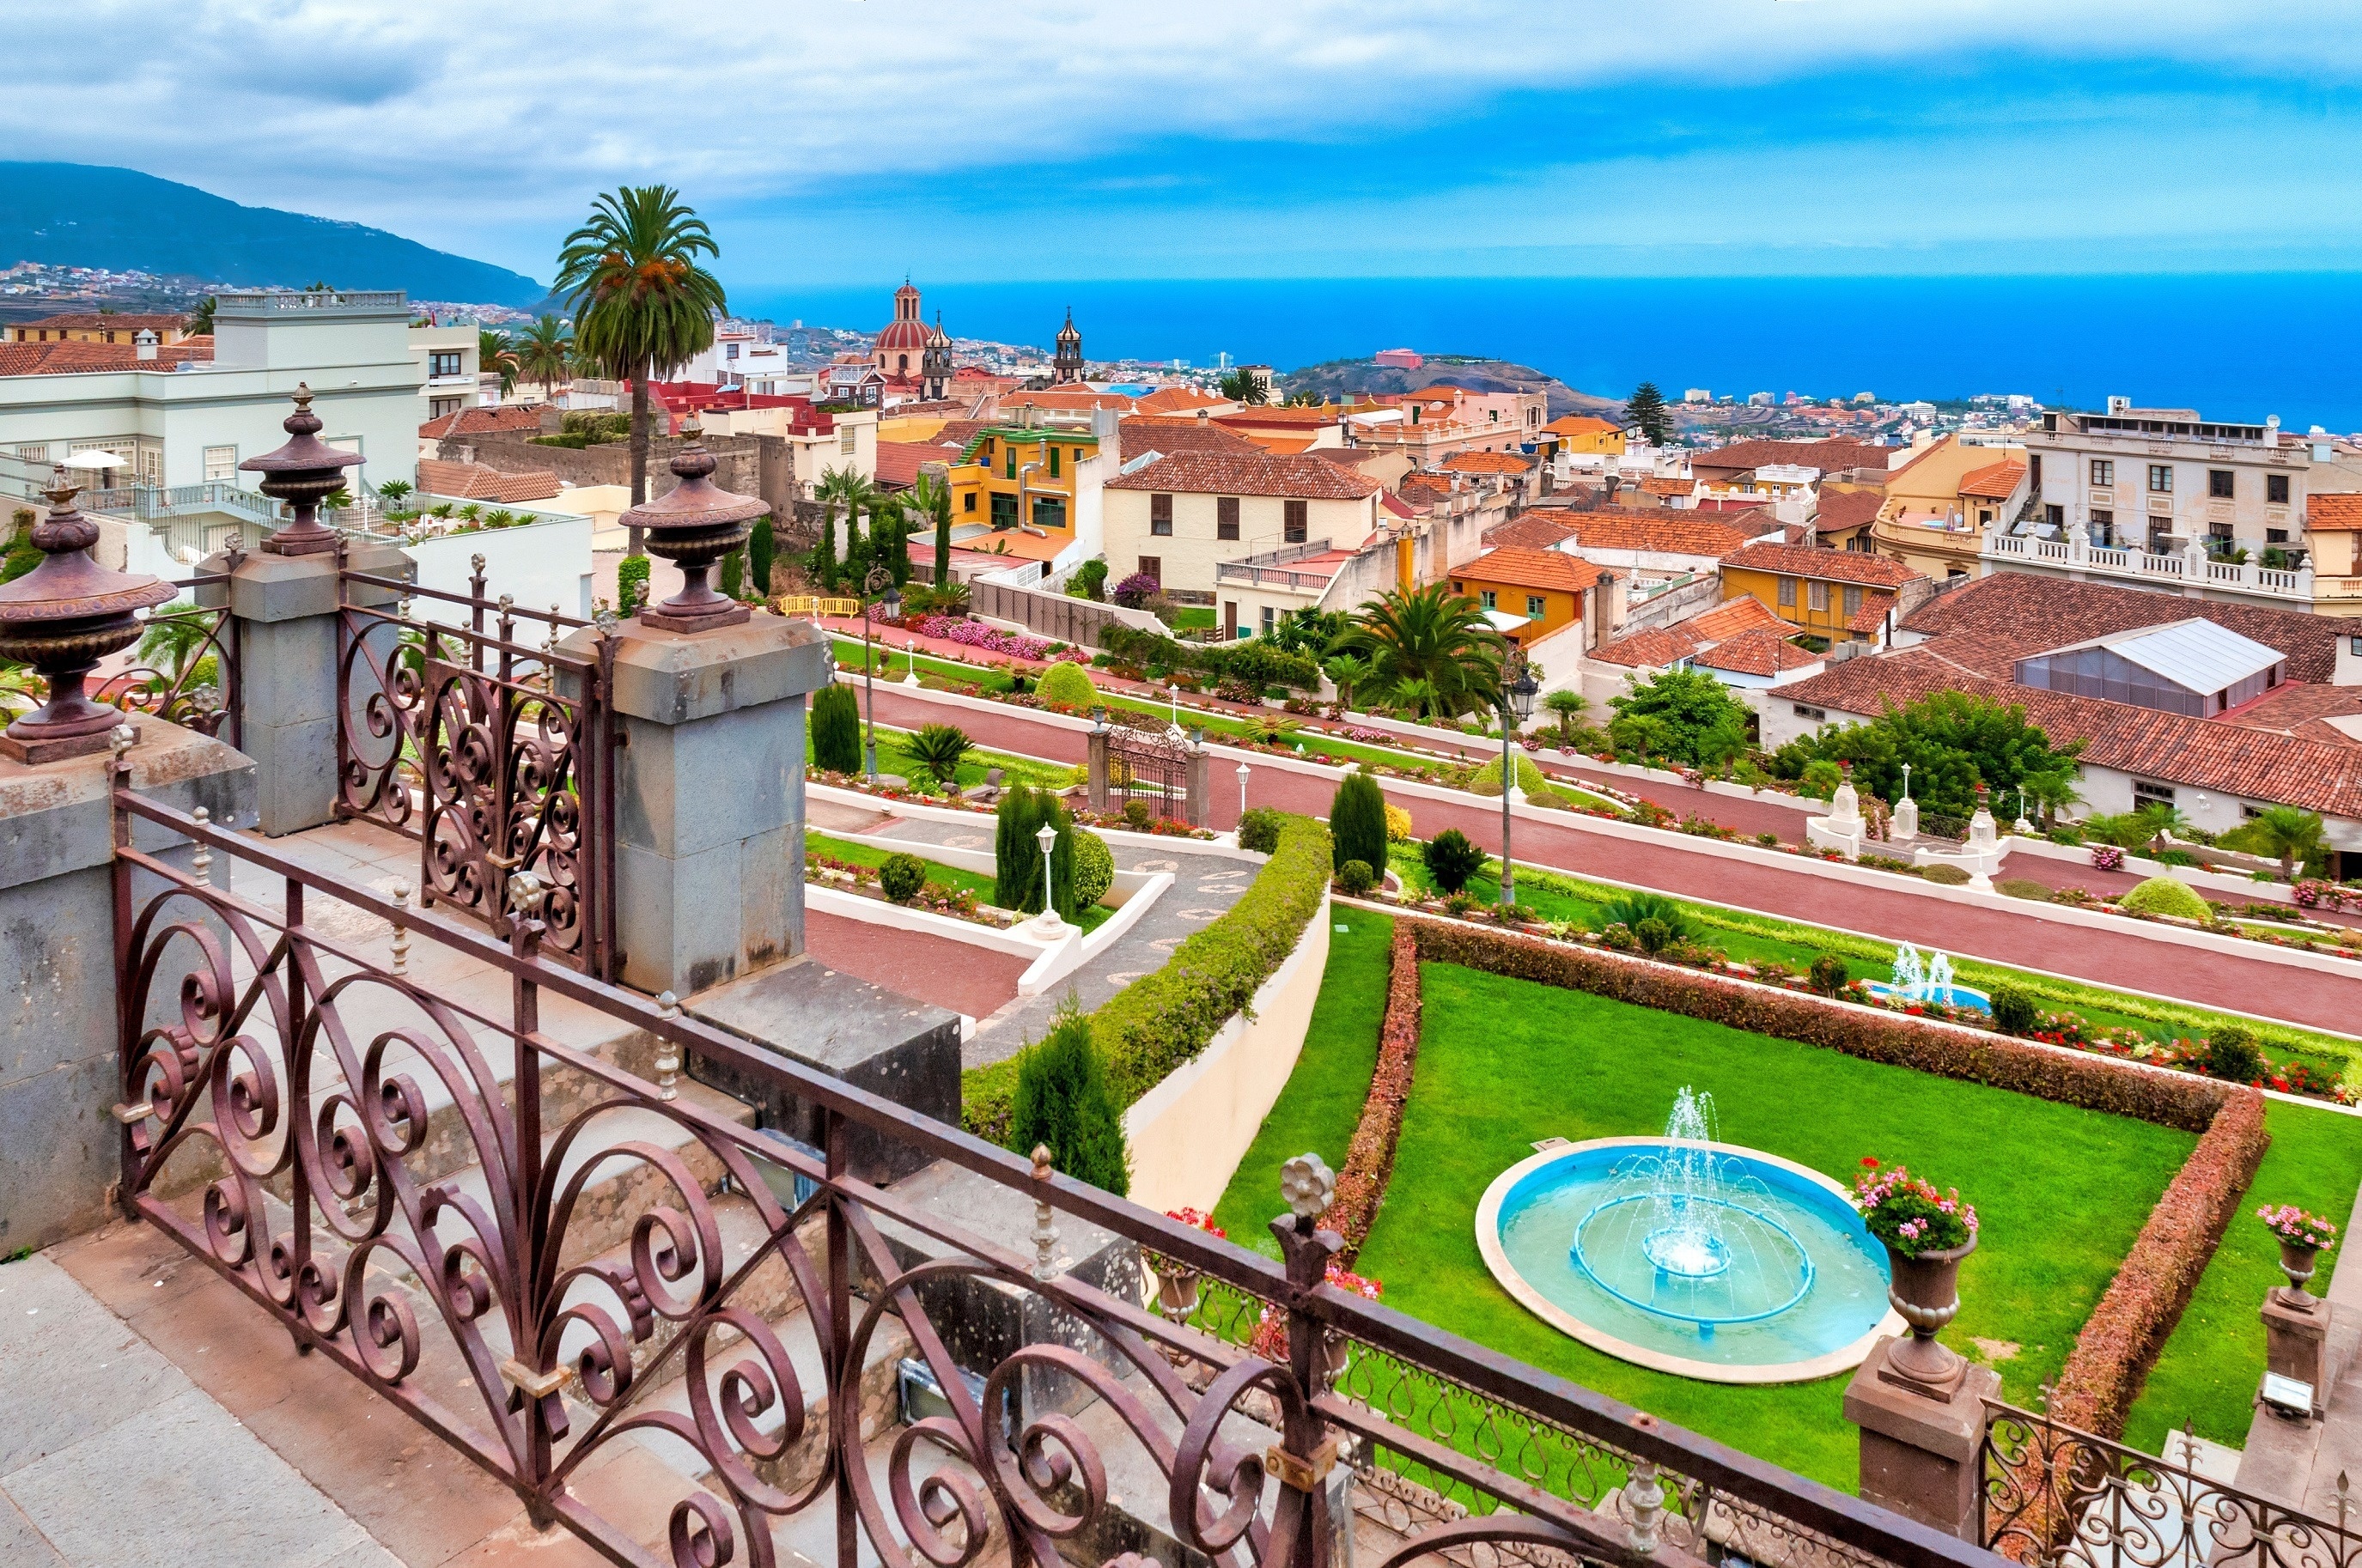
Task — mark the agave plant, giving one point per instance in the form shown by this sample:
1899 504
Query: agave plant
939 749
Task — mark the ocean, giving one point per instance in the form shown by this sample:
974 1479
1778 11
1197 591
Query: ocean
2235 345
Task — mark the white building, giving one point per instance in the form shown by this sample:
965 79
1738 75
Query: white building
448 360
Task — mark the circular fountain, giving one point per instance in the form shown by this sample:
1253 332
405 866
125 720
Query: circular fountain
1928 980
1689 1255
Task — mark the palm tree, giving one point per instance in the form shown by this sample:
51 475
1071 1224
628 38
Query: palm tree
1240 387
642 304
495 352
939 749
201 320
1345 672
545 352
1563 706
1432 636
931 498
2289 832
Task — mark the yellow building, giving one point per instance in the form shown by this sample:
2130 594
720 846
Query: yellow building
1529 594
1581 433
98 327
911 428
1029 485
1840 595
1938 505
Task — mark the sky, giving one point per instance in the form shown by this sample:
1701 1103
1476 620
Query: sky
833 142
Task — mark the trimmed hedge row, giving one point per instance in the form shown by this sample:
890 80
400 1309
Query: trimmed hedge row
2096 1083
2121 1340
1370 1159
1162 1019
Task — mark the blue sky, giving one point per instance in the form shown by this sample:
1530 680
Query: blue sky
839 141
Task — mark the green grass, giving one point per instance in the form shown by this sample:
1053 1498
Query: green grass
1322 1103
2062 1192
893 757
2208 1372
854 851
1195 618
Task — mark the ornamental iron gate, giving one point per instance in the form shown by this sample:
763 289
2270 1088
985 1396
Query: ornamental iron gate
1145 766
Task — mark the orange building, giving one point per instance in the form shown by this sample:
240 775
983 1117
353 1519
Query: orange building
1531 594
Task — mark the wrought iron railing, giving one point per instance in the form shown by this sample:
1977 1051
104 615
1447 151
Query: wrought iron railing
494 750
2060 1497
185 665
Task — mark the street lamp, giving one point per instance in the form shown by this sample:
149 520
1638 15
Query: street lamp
1242 789
878 577
1048 836
1518 688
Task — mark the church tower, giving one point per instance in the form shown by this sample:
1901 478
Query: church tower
935 363
1068 363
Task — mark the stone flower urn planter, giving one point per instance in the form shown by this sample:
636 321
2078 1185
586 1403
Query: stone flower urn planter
1177 1290
2297 1262
1926 1290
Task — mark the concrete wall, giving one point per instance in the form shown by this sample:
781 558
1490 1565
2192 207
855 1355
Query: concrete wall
538 565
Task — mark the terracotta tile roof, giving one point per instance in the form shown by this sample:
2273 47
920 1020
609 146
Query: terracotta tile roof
1426 489
1841 510
1488 463
1346 457
1657 646
1530 569
1994 481
482 422
1580 425
1177 400
474 481
96 322
2301 708
2204 754
1138 436
1994 620
1667 485
1830 566
898 461
2334 514
1825 455
1273 417
959 433
1534 531
1872 614
1068 399
1395 505
1764 650
1249 473
55 358
1675 533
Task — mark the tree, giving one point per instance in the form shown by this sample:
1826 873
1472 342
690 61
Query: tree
890 535
642 304
1451 859
836 729
939 749
1432 636
1345 672
544 353
762 545
1645 411
495 352
1242 387
1565 706
1017 853
2291 834
931 498
1953 741
201 320
393 490
1062 1102
1357 822
1308 631
1683 715
175 633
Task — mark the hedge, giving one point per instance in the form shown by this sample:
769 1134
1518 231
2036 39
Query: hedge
2122 1338
1370 1158
1253 661
2096 1083
1162 1019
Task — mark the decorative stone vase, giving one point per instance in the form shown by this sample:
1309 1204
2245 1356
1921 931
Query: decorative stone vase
1926 1290
2297 1263
1177 1291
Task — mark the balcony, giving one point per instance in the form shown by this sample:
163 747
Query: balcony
2192 571
1295 568
261 305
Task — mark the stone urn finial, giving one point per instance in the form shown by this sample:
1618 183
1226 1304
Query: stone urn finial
303 472
694 525
61 618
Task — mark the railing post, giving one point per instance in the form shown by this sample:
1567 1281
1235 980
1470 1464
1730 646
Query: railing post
844 1399
1307 1454
538 1387
1923 1445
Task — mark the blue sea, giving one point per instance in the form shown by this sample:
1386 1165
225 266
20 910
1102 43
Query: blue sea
2235 345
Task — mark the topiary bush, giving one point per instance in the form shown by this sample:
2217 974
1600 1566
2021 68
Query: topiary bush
902 876
1062 1103
1356 877
1398 824
2167 896
630 581
835 729
2012 1010
2024 888
1945 876
1828 975
2232 1055
1357 821
1065 684
1094 868
1530 778
1450 860
1259 830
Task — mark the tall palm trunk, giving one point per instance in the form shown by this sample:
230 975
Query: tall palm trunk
943 541
641 431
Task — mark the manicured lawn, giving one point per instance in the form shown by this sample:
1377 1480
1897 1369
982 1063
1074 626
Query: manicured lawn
2208 1372
1038 772
854 851
1503 1063
1197 618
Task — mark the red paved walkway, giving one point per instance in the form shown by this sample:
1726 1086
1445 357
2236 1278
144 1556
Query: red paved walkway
973 980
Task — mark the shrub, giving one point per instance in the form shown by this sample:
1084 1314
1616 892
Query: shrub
1945 876
1450 860
1064 683
1768 840
2014 1011
1138 817
631 582
835 728
762 545
733 574
2167 896
1357 821
1370 1158
1062 1102
901 877
1530 778
2232 1055
2024 888
939 749
2107 857
1259 830
1655 921
1827 974
1821 778
1087 580
1094 868
1133 591
1398 824
1017 858
1356 877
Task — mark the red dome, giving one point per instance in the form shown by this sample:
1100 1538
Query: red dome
909 335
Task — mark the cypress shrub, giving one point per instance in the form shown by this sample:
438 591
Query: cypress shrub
1451 859
631 585
1357 822
1063 1103
1017 858
2014 1011
761 545
836 729
734 575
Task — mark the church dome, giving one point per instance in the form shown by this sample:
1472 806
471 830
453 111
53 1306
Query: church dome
937 336
906 331
1068 337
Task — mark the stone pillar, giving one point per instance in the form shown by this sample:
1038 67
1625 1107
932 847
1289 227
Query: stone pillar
61 1149
710 796
2296 1335
1096 790
1199 785
1922 1450
285 607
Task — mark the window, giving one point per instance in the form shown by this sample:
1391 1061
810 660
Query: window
2103 473
1160 516
2275 535
1050 512
1297 523
1853 601
1268 618
730 350
1053 461
1816 596
1787 593
2218 485
1013 464
2054 515
444 407
2103 522
844 440
2033 472
221 464
2148 794
442 363
1488 598
1226 517
1534 606
1004 509
1818 716
1153 566
2161 479
971 501
2276 489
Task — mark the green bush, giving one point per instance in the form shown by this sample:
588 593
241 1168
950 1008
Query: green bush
2232 1055
2024 888
1945 876
2167 896
1827 974
1065 682
1017 857
1087 580
1357 821
1450 860
1259 830
762 545
1820 779
835 728
939 749
734 575
631 585
2012 1010
1655 921
1486 780
1094 868
1062 1103
902 876
1356 877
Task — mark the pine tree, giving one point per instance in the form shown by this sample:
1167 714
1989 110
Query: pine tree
836 730
1017 857
823 560
1062 1102
1645 411
1357 822
761 545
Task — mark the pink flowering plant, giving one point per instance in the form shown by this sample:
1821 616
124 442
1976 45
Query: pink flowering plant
1270 1341
2107 857
2297 1227
1197 1219
1907 1213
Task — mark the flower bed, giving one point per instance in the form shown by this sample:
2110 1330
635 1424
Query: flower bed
1370 1158
2143 1303
859 783
934 898
991 639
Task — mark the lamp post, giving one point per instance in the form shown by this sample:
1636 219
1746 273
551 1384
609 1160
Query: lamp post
1517 706
878 577
1047 837
1242 789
